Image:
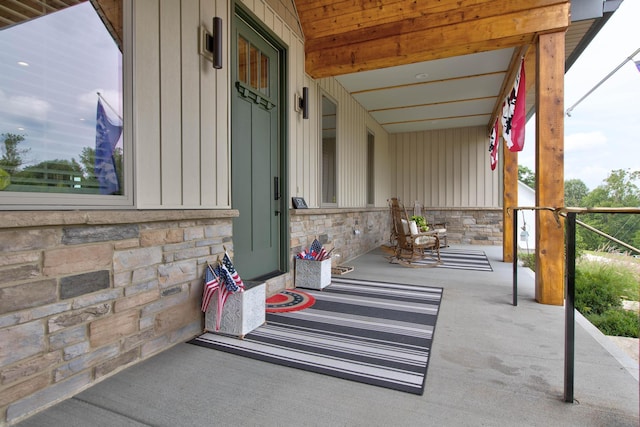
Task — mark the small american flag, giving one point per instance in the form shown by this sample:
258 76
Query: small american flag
226 261
211 285
227 280
317 250
304 255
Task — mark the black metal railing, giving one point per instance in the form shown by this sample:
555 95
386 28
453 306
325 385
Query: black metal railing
570 274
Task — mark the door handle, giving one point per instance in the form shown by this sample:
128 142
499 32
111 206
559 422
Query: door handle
276 188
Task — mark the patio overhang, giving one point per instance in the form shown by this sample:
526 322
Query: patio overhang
457 60
419 66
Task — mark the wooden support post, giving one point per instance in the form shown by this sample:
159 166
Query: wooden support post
549 167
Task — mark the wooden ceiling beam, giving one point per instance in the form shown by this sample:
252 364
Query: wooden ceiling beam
345 16
415 40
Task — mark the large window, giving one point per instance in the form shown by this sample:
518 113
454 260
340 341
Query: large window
61 105
329 161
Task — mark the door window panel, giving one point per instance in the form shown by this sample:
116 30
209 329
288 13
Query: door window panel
253 67
243 60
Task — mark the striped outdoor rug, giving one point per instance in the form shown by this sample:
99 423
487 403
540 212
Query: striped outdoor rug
461 259
371 332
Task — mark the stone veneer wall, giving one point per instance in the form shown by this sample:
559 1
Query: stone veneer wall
349 232
84 294
468 226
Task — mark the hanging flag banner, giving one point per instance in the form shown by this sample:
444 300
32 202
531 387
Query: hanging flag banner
514 114
107 136
637 65
494 143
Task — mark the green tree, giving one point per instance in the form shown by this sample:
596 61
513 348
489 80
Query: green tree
527 176
12 157
574 192
619 189
53 173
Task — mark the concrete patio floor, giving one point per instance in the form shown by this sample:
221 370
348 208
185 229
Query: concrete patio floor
492 364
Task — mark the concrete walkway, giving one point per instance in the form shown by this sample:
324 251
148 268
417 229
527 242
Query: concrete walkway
493 364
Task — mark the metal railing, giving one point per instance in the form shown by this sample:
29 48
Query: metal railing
570 274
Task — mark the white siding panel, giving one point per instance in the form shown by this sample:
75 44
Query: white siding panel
444 168
181 104
146 107
211 133
220 98
190 71
170 104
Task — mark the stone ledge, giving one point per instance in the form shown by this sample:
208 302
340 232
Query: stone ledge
331 211
24 219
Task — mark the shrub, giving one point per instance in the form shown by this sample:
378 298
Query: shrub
528 260
618 322
602 285
600 288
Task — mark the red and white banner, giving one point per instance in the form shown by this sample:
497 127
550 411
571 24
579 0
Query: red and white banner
494 143
514 114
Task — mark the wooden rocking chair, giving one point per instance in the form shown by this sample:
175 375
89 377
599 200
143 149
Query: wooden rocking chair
411 245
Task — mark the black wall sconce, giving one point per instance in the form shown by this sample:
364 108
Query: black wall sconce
210 45
303 103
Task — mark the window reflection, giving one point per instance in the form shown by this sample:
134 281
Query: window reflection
53 124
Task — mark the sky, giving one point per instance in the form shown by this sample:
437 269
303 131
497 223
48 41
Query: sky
603 132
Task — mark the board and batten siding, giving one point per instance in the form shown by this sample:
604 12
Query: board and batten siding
182 121
180 105
444 168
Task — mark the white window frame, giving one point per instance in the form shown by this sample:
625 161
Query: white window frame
63 201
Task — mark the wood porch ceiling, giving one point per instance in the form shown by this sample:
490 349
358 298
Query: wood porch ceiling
346 36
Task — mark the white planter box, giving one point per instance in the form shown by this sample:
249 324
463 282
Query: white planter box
313 274
241 313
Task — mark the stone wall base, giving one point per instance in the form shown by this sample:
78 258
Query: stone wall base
471 226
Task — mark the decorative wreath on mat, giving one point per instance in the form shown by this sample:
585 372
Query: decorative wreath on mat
289 300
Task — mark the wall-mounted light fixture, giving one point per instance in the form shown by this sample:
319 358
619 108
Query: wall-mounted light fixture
303 103
210 45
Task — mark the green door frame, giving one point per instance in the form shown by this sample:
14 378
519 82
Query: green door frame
239 11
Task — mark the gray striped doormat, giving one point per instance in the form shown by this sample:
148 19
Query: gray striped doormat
371 332
461 259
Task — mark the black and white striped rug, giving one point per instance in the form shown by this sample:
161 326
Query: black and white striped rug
461 259
371 332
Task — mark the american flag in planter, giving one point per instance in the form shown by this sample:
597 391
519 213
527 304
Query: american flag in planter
316 252
223 278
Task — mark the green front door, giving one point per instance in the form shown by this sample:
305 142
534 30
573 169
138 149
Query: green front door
255 156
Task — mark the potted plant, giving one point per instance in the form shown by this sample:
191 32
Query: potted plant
421 222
